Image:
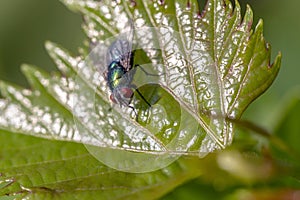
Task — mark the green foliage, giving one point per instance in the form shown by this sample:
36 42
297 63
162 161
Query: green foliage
224 66
288 128
42 169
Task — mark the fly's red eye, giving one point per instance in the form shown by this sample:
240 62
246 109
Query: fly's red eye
127 92
112 99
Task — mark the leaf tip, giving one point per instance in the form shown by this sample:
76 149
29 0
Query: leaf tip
248 17
3 88
277 61
28 70
25 68
67 2
49 45
72 5
259 26
237 5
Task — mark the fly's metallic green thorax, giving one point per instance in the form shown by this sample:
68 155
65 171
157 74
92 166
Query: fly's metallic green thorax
115 74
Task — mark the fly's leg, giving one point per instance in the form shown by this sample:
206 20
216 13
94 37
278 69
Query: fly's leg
135 113
133 86
147 73
143 97
129 106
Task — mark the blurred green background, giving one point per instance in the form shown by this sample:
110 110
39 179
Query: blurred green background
26 25
24 28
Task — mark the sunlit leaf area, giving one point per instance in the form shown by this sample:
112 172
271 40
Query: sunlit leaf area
155 99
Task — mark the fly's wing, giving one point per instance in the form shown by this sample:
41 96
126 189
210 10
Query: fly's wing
96 57
121 48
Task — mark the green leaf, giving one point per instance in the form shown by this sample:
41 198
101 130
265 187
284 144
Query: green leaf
288 130
214 67
209 67
65 170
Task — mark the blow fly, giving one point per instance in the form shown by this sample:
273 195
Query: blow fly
121 69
